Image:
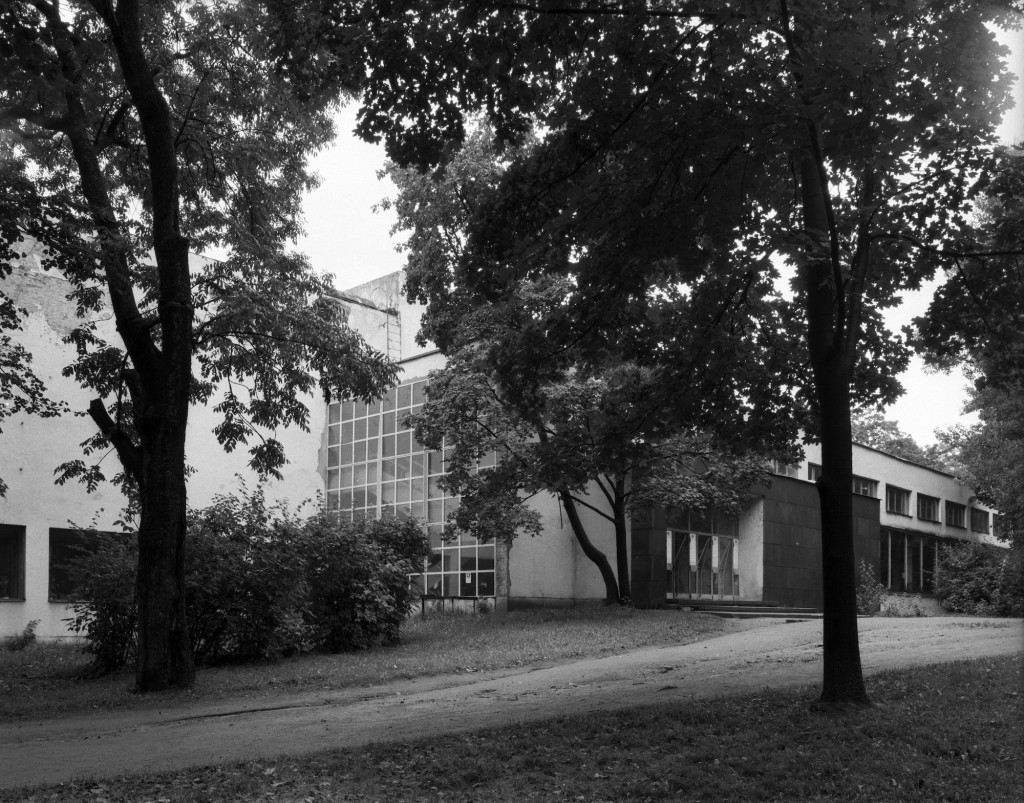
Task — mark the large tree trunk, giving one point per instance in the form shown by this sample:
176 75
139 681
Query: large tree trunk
165 650
842 678
611 587
829 328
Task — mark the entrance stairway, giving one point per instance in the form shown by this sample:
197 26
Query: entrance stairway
744 609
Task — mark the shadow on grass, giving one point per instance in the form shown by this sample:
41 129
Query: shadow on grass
949 732
49 679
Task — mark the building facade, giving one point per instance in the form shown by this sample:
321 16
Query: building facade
366 462
39 519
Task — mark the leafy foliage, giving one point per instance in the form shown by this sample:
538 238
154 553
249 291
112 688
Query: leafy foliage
696 143
981 580
978 316
869 590
105 610
262 583
598 418
23 640
134 133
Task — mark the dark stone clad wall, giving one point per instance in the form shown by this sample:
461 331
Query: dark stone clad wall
648 577
792 541
792 546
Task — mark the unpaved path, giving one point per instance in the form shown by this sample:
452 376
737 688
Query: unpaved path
773 656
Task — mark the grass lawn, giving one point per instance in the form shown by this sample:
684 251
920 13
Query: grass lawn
950 732
46 679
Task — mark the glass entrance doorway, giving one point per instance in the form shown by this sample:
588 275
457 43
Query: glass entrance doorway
704 565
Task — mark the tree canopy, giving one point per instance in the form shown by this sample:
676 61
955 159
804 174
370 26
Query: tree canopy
673 415
977 317
134 134
698 139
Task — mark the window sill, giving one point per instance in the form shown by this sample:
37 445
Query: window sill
897 513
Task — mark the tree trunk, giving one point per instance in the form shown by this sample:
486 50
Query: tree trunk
622 542
829 328
611 587
165 650
842 678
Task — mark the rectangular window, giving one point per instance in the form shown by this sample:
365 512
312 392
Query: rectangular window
813 472
897 500
12 562
997 526
927 508
784 469
862 486
66 548
979 520
907 561
956 515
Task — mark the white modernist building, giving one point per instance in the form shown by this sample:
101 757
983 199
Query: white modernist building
367 464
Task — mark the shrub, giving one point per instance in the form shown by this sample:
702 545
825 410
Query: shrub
260 584
22 640
980 580
105 610
245 581
869 591
359 592
902 606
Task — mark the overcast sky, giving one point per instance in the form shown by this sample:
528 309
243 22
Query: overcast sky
347 238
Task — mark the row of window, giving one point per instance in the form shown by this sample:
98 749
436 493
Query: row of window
898 502
65 548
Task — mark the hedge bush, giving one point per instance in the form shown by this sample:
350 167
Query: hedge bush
980 580
261 583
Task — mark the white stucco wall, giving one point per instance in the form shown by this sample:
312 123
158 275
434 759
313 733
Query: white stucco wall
751 550
31 448
886 469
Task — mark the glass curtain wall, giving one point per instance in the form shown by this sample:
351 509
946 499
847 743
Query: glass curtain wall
703 557
377 468
907 561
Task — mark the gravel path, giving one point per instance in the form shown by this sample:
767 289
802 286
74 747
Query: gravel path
771 656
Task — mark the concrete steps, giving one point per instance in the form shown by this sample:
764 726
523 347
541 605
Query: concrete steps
745 609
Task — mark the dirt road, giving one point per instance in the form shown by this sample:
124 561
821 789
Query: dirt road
772 656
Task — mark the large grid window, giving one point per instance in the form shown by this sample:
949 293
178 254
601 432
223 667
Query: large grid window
377 468
12 562
703 559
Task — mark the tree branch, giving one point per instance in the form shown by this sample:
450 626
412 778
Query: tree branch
129 454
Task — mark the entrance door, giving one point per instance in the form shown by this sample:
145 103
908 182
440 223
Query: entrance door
702 566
